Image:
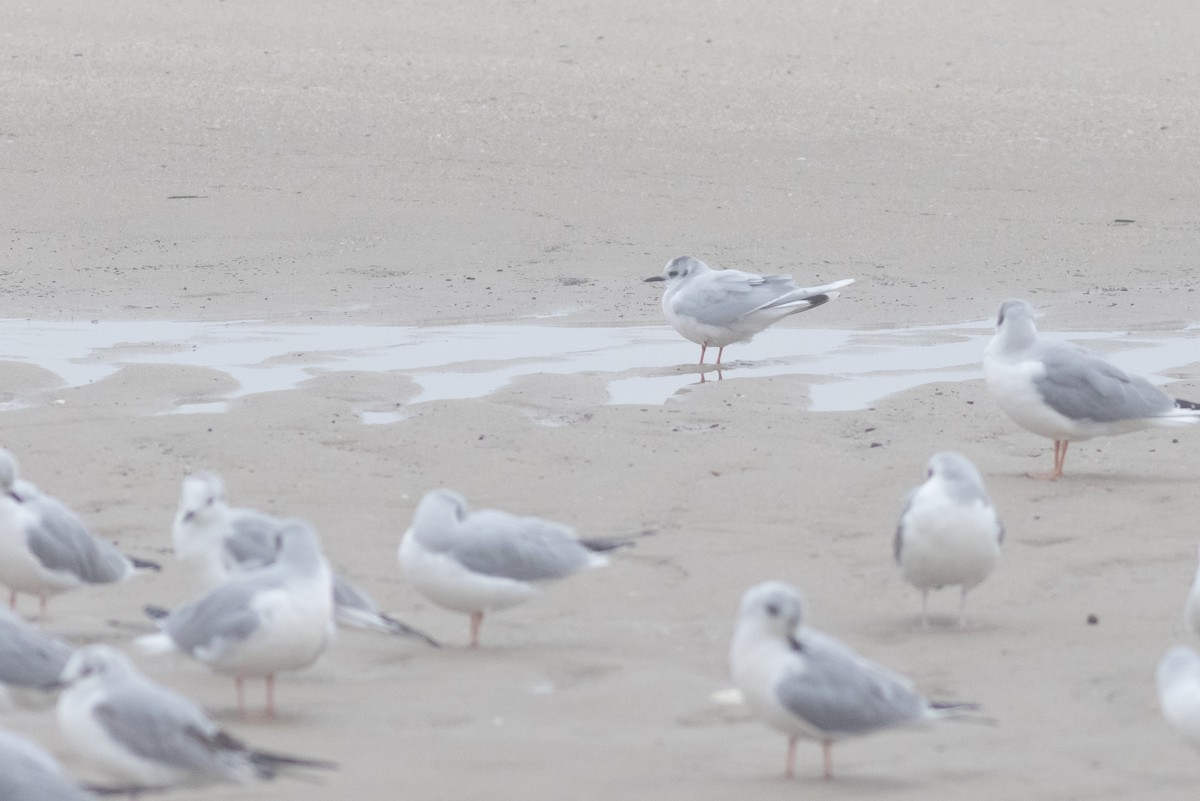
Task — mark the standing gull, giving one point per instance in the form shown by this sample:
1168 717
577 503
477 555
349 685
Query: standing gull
45 548
948 534
808 684
1191 611
29 773
715 308
1178 679
1068 393
148 735
486 560
259 622
218 541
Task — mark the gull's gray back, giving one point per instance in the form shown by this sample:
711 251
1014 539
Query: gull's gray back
520 548
222 613
61 541
28 656
1082 385
841 694
160 726
251 540
27 773
726 296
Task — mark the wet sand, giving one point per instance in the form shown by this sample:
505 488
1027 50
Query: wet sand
436 164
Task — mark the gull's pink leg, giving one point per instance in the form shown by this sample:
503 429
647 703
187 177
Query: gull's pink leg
827 750
789 765
476 623
1060 456
703 350
270 695
720 351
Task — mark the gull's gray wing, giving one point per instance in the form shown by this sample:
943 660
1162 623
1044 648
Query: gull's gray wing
839 693
29 657
163 727
62 542
28 773
496 543
224 613
1083 385
722 297
251 540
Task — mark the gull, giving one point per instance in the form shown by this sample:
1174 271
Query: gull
219 541
29 773
1178 679
30 659
948 534
486 560
260 622
45 549
715 308
808 684
150 736
1068 393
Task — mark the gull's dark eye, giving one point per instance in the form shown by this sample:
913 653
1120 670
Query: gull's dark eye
929 473
673 273
210 501
1000 319
772 610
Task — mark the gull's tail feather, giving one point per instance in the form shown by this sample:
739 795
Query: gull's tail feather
378 621
1186 404
132 790
602 544
269 764
963 711
156 612
144 564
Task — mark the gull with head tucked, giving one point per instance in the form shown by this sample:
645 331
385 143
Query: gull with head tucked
808 684
485 560
715 308
1068 393
260 622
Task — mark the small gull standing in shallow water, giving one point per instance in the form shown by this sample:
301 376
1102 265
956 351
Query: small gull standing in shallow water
259 622
949 534
45 548
29 773
150 736
1068 393
485 560
1178 679
808 684
218 541
715 308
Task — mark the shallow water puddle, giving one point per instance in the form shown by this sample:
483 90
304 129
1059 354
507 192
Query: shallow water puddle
643 365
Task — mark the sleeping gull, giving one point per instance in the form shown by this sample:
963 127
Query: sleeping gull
29 773
1178 679
45 548
218 541
485 560
808 684
719 307
259 622
948 534
152 737
30 659
1068 393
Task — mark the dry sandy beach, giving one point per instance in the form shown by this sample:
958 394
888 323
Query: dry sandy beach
444 163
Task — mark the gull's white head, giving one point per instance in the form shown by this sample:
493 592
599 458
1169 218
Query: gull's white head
680 268
959 477
96 663
771 609
299 547
201 496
